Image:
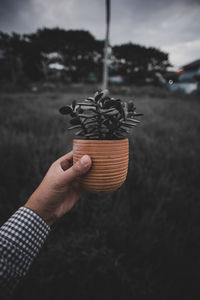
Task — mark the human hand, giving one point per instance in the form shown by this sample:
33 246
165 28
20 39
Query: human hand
59 190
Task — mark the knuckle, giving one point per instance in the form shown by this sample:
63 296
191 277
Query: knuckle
53 165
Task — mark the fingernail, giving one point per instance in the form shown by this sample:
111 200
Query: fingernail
85 160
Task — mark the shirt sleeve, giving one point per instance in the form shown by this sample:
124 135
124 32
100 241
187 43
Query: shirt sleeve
21 238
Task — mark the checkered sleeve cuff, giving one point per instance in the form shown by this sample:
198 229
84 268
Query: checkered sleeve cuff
21 238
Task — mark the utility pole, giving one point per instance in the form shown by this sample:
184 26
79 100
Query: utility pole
106 45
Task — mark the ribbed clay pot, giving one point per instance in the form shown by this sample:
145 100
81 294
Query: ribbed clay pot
109 163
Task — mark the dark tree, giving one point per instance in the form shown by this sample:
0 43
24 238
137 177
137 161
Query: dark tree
137 62
11 66
80 50
23 57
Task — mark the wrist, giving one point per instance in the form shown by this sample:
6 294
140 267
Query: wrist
48 217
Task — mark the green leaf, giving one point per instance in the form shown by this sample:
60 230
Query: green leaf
98 97
112 113
126 124
131 106
122 112
90 99
87 116
87 104
113 103
73 104
123 130
109 112
75 121
80 132
92 129
104 130
103 111
90 124
93 110
107 123
133 120
74 127
66 110
109 103
118 135
138 115
92 134
102 117
105 93
130 114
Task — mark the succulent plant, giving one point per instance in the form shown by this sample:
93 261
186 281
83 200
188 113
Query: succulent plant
101 117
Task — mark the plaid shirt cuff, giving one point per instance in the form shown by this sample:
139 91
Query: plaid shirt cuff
21 238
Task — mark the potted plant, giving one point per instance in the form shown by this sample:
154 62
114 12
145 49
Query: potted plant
102 125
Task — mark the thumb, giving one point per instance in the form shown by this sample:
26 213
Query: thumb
79 168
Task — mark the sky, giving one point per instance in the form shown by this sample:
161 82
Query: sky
170 25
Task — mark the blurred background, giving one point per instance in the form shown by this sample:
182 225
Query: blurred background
142 241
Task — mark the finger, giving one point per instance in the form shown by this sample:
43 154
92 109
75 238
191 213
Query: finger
67 156
79 168
77 187
64 162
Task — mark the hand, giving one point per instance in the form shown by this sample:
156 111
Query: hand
59 190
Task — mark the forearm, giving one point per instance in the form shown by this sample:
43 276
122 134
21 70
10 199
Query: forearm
21 238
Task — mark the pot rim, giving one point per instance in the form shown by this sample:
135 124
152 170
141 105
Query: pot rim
100 141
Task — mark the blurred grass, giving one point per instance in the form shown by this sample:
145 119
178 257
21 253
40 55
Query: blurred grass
141 242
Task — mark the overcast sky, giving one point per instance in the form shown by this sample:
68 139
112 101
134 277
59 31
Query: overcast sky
171 25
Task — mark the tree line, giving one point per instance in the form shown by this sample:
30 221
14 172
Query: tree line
24 57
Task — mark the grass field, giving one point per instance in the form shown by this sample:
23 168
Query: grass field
141 242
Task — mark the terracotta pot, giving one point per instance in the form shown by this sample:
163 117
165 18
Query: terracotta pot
109 163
